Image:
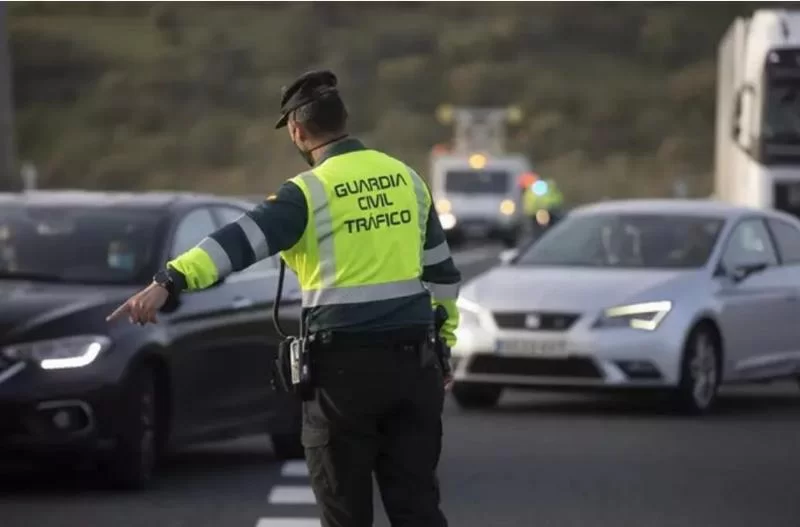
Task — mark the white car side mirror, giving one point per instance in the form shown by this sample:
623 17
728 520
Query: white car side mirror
507 256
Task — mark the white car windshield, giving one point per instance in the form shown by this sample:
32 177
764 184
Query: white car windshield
627 241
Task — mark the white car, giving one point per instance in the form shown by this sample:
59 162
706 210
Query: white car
670 294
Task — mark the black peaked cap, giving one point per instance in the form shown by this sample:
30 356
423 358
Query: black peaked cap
307 88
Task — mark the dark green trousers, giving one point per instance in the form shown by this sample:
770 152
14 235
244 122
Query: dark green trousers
377 410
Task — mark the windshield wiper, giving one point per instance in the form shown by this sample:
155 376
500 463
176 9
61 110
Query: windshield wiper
29 275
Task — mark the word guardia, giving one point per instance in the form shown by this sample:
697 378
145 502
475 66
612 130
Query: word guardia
369 196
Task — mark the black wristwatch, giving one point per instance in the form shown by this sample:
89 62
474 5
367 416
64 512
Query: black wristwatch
164 279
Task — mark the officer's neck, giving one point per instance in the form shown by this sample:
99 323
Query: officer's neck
324 144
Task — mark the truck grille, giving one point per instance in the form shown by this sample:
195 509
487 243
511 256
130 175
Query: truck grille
536 321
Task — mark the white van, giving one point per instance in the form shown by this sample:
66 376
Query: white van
479 196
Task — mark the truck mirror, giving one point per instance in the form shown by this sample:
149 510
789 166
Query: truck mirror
736 128
736 118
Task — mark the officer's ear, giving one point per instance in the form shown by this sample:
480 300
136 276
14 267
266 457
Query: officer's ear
297 132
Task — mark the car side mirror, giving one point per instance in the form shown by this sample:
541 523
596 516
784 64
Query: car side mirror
507 256
740 272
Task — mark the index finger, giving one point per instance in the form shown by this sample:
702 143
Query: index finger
121 310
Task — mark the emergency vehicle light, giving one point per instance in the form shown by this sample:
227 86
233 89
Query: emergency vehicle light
477 161
540 188
514 114
444 113
527 179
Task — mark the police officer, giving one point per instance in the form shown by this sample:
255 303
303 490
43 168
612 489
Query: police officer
359 231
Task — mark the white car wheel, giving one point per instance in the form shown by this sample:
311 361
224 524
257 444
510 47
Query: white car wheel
700 371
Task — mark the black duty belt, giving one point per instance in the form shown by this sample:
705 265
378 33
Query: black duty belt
393 338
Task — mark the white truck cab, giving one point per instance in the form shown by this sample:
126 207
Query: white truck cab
757 152
479 196
476 184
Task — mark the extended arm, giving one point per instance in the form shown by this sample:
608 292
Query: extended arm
275 225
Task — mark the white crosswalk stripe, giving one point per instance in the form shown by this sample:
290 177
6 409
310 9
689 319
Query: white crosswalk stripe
289 522
291 495
293 492
294 469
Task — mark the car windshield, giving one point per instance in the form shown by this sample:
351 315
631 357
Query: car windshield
477 181
77 244
627 241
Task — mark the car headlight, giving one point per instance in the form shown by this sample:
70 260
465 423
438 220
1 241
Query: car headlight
448 220
472 315
646 316
61 353
443 206
507 207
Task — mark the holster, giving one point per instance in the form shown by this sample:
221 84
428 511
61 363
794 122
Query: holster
292 369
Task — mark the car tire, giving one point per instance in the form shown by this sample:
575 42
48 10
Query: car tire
474 396
287 446
701 372
133 461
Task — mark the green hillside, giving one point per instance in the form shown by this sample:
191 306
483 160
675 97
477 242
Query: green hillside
618 98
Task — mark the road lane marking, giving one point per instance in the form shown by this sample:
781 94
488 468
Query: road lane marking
294 469
291 495
289 522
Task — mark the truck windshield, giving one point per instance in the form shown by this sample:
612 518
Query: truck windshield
781 128
477 181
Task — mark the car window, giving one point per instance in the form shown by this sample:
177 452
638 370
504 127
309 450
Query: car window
231 214
84 244
626 240
228 214
195 226
749 243
787 238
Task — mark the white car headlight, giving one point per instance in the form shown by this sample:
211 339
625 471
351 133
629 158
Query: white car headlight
61 353
471 314
646 316
448 220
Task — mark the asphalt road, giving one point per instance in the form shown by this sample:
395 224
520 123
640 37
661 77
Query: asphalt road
538 460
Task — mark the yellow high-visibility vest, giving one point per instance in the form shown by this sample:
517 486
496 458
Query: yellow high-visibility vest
364 240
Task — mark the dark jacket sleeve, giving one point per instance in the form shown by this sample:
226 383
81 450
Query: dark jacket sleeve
275 225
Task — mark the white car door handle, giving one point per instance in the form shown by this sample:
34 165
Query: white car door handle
241 302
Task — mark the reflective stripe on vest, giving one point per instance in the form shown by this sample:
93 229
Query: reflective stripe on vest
327 292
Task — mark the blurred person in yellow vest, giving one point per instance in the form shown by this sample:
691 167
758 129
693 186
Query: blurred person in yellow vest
542 202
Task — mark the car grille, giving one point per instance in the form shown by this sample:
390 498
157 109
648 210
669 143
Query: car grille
536 321
523 366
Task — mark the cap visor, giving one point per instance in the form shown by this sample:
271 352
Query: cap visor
282 121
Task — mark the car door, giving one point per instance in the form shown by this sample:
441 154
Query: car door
786 234
256 341
201 334
752 308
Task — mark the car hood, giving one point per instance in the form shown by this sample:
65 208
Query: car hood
26 305
518 288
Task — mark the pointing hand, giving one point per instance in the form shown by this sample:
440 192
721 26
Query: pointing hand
142 307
